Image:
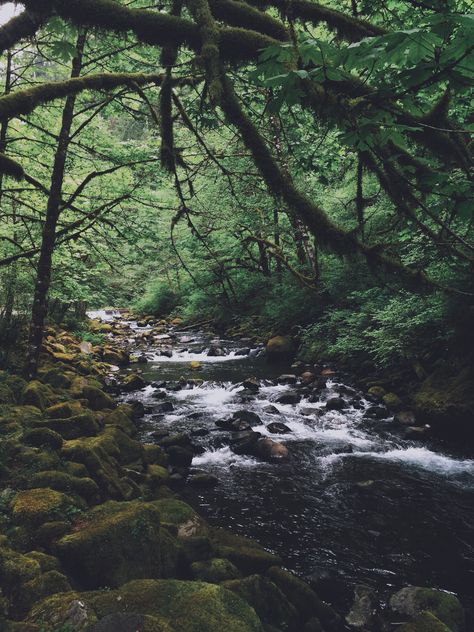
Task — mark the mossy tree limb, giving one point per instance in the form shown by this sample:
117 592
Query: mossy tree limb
18 28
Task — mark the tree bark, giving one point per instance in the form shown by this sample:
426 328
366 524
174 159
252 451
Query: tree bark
53 211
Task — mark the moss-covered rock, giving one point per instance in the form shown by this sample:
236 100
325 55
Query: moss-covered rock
376 392
6 394
392 401
180 518
268 601
156 476
424 622
63 482
40 587
64 410
58 377
37 394
16 385
43 437
33 507
215 570
83 425
133 382
113 543
304 599
280 348
413 600
121 419
97 399
154 454
46 562
16 569
182 606
247 555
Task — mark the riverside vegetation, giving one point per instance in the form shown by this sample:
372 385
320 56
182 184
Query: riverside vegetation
296 176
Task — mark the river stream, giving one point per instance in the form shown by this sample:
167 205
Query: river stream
355 502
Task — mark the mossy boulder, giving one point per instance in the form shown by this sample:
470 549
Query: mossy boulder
16 385
156 475
446 401
246 554
133 382
154 454
46 562
179 606
376 392
413 600
37 394
121 419
97 399
280 348
215 570
64 410
268 601
114 543
58 377
424 622
392 401
83 425
304 599
16 569
33 507
38 588
43 437
180 518
63 482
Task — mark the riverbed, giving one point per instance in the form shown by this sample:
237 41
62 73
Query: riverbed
355 502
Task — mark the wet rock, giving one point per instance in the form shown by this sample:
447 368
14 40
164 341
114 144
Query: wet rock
361 615
376 412
308 377
280 348
271 410
248 416
244 442
417 432
166 353
270 450
174 388
246 554
307 411
346 448
392 401
336 403
215 351
246 395
137 409
200 432
164 407
243 352
202 480
133 382
277 427
179 455
287 378
376 393
288 397
251 384
413 600
97 399
180 438
405 418
424 622
161 384
328 372
159 394
214 571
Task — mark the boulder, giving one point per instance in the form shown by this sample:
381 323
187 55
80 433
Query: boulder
214 571
97 399
280 348
244 442
376 412
288 397
376 393
167 605
414 600
287 378
392 401
37 394
84 425
133 382
215 351
33 507
202 479
270 450
271 410
64 482
248 416
276 427
251 384
405 418
361 615
113 543
336 403
43 438
246 554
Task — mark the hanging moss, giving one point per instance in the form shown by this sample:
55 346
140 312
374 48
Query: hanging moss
24 102
20 27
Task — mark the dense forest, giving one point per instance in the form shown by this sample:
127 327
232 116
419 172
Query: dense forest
291 174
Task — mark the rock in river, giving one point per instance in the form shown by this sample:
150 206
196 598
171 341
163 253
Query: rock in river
277 427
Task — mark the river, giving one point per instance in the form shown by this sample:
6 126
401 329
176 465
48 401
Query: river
355 502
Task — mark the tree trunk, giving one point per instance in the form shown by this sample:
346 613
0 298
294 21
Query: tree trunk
53 211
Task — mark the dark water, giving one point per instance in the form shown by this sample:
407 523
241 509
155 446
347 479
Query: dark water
355 502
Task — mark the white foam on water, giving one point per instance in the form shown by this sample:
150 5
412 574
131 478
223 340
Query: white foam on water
427 459
183 357
224 457
214 397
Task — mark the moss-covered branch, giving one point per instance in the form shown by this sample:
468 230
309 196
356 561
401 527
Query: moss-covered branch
18 28
346 26
25 101
209 52
10 167
236 13
153 27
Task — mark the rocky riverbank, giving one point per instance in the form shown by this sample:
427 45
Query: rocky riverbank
94 537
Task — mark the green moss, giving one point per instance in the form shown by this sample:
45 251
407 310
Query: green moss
121 419
46 562
392 401
113 543
35 506
185 522
57 377
214 570
11 168
156 476
247 555
154 454
62 482
64 410
15 569
37 394
6 393
425 622
97 399
267 600
43 437
414 600
40 587
181 605
84 425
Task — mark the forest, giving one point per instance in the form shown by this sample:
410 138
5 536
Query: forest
236 258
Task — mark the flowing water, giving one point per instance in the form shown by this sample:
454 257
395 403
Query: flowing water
355 502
